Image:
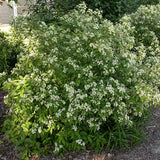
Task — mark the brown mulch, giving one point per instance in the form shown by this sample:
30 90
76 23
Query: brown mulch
148 149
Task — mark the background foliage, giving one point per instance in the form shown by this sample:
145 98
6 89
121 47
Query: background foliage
113 10
10 47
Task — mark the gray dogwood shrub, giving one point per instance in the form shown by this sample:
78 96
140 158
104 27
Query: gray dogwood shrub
84 83
146 23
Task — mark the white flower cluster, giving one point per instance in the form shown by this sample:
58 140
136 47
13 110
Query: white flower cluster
80 142
57 148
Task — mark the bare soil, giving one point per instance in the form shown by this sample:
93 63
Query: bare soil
148 149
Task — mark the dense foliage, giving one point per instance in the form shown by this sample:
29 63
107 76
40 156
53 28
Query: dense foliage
84 82
9 49
47 10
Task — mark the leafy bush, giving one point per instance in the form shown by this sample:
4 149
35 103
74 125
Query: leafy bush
9 49
146 20
85 83
43 10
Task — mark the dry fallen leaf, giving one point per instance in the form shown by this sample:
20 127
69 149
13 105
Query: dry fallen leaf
34 157
99 157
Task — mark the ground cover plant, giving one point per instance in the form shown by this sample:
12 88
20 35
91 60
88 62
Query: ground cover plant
84 83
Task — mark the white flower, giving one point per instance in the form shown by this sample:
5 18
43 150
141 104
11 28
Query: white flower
58 114
108 105
79 75
105 72
74 128
115 104
3 74
121 89
39 130
56 148
112 70
36 107
110 89
90 74
70 90
42 95
69 114
80 142
34 130
81 117
64 69
129 80
103 111
21 81
87 86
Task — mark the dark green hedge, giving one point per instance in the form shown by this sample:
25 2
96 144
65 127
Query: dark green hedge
9 49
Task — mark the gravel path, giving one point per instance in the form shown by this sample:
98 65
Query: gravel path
148 149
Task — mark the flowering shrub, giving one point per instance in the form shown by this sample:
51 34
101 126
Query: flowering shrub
84 83
146 22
